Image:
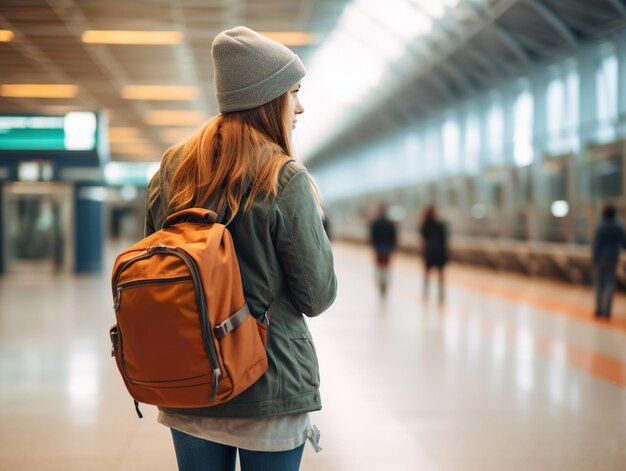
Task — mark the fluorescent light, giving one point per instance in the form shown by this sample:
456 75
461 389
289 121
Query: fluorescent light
140 147
291 38
177 134
60 109
559 208
159 92
6 35
123 133
175 117
132 37
80 130
31 90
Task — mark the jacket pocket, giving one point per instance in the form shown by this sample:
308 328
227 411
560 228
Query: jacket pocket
305 359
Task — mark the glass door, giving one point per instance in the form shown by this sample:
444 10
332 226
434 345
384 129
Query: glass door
38 227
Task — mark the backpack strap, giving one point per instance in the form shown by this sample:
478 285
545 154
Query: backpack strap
242 314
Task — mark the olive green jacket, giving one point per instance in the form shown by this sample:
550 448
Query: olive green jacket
279 242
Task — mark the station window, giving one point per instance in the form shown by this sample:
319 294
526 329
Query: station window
556 113
571 115
495 131
412 152
606 178
472 144
432 155
451 139
523 129
606 92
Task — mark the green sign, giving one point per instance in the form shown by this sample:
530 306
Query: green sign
73 131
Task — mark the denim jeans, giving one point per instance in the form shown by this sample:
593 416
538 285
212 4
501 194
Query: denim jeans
196 454
605 287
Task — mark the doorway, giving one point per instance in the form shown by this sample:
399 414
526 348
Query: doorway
38 227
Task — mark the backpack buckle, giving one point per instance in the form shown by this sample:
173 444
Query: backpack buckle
115 337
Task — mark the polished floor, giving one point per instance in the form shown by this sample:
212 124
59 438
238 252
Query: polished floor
511 373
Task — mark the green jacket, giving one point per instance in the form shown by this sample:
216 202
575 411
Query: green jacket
279 242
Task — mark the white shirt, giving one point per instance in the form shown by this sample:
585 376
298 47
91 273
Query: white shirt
279 433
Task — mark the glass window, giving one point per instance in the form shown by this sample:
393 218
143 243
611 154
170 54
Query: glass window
606 92
562 109
472 144
413 157
433 155
523 129
451 138
556 109
572 120
495 131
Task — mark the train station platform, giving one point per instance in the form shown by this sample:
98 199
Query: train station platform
510 373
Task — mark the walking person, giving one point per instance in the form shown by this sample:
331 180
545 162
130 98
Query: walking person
434 249
239 164
383 238
609 239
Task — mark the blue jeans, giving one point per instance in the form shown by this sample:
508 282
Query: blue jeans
196 454
605 287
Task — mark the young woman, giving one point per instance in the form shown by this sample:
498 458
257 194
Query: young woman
434 249
239 164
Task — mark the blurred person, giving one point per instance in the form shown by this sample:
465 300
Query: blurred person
434 249
239 164
609 238
383 238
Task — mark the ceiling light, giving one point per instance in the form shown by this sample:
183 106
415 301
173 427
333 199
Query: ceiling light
132 37
122 140
177 134
59 109
6 35
175 117
291 38
123 133
30 90
159 92
135 149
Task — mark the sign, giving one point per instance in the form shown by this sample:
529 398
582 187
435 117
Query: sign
73 131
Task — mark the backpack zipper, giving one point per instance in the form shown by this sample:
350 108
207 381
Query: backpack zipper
149 281
200 301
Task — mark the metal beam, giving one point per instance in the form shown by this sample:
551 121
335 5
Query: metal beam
457 76
619 6
555 20
510 40
446 28
440 85
491 66
514 45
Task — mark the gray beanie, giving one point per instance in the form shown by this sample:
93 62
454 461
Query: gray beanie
251 70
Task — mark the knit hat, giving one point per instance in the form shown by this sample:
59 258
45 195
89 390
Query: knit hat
251 70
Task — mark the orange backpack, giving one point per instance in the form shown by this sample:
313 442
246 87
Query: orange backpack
184 335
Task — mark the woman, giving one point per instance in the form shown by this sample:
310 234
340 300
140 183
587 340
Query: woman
608 241
239 164
434 248
383 238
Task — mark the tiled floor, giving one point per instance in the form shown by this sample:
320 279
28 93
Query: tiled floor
510 374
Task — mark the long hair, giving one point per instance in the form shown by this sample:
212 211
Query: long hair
429 214
232 152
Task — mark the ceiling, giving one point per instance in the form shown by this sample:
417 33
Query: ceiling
477 48
47 48
479 45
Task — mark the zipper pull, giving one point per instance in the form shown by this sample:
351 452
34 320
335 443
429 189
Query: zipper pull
118 298
114 334
137 409
217 375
